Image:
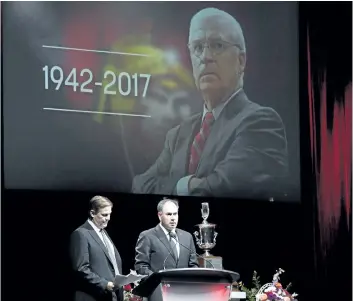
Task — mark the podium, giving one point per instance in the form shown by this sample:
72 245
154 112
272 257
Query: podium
189 284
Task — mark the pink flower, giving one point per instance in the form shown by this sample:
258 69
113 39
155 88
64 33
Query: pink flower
286 299
263 297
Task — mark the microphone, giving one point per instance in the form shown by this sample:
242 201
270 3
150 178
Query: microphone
173 235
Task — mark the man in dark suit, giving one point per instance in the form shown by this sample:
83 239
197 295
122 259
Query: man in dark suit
94 258
235 147
161 247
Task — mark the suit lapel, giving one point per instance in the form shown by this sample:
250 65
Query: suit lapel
116 253
185 139
163 238
220 126
183 254
98 240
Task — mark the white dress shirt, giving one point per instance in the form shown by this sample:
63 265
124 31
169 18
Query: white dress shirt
100 234
111 246
183 183
176 241
98 231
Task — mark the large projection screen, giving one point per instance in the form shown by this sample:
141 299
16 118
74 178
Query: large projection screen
114 96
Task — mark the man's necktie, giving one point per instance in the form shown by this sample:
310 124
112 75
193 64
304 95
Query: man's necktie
110 252
173 247
199 142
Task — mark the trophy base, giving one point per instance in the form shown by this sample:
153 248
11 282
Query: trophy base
211 262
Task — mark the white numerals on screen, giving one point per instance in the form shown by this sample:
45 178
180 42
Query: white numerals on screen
127 83
71 80
109 74
86 82
123 83
56 76
147 77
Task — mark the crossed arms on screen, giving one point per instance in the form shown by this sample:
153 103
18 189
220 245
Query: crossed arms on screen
249 152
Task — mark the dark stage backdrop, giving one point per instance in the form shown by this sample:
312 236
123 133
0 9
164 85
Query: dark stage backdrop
261 237
312 241
328 46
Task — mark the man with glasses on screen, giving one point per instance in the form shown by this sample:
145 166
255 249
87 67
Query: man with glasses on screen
234 147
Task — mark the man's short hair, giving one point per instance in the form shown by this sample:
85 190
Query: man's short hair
164 201
236 30
99 202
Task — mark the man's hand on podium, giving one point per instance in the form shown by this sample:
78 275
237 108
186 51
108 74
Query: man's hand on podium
110 286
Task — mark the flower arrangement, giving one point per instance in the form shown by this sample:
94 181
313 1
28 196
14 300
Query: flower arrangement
128 295
272 291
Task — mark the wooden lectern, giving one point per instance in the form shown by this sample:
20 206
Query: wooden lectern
189 284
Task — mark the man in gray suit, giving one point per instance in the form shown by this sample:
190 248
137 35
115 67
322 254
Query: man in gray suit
94 258
234 147
162 247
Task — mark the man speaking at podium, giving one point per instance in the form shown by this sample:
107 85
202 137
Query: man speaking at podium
158 248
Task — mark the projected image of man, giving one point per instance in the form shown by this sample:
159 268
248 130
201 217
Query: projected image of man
233 147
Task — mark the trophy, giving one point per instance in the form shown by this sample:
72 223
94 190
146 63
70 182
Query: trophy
206 240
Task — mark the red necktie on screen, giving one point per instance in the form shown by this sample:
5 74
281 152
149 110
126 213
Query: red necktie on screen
199 142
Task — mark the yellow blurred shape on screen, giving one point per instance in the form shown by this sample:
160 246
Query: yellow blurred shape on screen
154 64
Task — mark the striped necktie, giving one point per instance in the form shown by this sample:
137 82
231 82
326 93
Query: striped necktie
111 252
199 142
173 246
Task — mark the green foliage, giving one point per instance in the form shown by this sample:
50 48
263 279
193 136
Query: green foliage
251 292
288 286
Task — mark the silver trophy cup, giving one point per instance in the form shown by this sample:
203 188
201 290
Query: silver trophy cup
206 235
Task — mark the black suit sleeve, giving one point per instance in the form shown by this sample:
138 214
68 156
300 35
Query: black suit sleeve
157 178
257 154
142 258
193 263
80 262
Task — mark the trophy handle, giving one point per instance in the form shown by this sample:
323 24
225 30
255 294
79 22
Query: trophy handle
215 235
197 237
